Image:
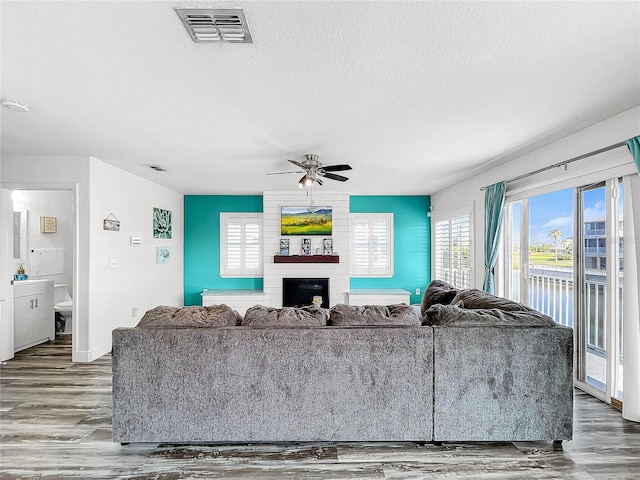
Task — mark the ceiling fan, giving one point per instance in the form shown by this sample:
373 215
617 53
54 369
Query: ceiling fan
313 171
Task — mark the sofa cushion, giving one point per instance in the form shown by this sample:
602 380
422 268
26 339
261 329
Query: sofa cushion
437 292
209 316
261 316
350 315
474 298
454 315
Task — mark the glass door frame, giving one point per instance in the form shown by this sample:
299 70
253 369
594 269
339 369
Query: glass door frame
507 253
612 307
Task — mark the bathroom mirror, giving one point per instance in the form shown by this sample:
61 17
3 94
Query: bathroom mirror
20 236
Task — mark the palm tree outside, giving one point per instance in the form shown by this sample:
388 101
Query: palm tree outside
555 234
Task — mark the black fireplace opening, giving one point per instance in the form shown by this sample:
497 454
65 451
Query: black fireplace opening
299 292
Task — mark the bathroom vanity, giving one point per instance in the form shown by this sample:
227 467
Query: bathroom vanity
34 318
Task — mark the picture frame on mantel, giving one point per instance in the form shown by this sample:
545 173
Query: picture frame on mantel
284 246
306 246
327 246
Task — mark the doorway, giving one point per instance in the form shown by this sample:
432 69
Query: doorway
47 245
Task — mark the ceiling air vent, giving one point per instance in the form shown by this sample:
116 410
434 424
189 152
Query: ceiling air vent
215 25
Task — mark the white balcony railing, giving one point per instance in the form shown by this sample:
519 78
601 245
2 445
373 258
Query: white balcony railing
551 292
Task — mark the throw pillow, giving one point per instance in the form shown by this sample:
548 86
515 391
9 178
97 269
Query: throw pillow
261 316
455 316
209 316
474 298
352 315
437 292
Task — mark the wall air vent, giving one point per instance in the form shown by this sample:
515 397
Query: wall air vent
157 168
215 25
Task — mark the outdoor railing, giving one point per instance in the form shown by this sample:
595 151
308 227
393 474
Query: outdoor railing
551 292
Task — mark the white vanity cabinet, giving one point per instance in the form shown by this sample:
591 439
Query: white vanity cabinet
34 317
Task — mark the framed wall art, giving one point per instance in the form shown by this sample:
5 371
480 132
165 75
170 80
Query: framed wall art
306 220
161 223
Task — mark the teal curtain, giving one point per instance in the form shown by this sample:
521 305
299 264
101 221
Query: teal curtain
634 147
493 213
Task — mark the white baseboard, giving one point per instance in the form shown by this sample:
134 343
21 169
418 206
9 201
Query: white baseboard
87 356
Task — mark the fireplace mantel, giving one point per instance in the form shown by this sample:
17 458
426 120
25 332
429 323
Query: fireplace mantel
306 259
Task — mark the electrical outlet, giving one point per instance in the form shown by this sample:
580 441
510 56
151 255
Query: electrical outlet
114 263
134 312
417 291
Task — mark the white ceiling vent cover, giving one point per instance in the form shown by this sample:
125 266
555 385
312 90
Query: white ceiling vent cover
215 25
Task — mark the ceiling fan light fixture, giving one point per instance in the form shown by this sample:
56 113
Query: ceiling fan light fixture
306 181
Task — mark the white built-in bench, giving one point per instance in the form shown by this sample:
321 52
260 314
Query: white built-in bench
239 300
242 300
378 296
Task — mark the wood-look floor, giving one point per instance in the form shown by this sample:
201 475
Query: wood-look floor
56 423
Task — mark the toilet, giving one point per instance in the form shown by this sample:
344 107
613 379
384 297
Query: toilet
62 304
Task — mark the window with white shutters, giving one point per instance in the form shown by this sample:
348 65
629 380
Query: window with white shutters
372 245
452 250
241 244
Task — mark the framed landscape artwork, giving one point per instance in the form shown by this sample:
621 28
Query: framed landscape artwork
306 221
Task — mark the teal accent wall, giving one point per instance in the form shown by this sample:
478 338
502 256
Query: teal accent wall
202 243
411 241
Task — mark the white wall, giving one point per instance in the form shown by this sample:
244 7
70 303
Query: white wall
43 203
138 282
337 273
104 298
613 130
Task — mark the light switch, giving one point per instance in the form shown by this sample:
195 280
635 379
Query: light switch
114 263
417 291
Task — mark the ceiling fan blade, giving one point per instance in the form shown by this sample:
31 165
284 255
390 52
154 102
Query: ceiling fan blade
298 164
282 173
336 168
333 176
319 181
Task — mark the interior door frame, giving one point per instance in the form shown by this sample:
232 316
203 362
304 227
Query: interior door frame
62 186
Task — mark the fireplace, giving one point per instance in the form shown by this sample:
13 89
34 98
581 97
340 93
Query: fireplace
298 292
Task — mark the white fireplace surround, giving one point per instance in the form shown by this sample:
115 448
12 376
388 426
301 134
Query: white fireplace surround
337 273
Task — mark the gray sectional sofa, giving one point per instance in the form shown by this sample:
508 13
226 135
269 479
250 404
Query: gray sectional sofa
461 372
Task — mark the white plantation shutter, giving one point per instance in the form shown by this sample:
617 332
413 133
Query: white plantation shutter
234 246
360 249
372 244
240 245
452 251
252 246
442 258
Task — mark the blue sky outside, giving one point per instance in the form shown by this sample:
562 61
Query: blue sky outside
555 210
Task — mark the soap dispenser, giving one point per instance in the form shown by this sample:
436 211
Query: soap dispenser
21 270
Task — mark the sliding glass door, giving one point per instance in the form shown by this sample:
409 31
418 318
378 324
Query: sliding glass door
563 256
600 294
539 249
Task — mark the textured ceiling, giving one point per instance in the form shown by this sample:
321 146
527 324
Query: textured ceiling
414 96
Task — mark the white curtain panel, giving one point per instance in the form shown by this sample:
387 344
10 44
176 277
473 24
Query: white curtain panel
631 309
